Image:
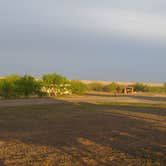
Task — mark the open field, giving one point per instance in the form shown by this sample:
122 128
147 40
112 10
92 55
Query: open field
92 130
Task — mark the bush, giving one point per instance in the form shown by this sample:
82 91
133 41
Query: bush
78 87
27 85
164 86
15 86
111 87
139 87
5 89
8 86
156 89
95 86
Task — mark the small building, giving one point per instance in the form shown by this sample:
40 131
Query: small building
128 90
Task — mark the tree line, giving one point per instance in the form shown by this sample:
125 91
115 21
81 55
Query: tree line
15 86
138 87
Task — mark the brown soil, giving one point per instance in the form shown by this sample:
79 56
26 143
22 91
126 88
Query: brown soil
80 131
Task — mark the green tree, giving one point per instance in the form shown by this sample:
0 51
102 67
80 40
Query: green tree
27 85
54 79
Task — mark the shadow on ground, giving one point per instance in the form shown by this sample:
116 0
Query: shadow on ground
82 134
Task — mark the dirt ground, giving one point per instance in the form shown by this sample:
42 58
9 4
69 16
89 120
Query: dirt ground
92 130
89 97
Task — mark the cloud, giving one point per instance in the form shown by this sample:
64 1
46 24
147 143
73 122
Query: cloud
138 19
114 21
84 39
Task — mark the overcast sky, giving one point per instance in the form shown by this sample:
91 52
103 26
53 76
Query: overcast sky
116 40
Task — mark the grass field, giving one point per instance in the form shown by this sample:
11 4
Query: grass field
83 133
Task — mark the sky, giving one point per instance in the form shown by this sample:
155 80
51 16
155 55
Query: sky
113 40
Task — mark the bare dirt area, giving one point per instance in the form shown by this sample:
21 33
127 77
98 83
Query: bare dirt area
83 131
107 97
89 97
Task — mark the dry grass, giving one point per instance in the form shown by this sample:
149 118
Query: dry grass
78 134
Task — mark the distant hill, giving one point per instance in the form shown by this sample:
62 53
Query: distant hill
121 83
108 82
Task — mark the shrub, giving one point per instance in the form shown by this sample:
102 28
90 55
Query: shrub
5 88
8 86
111 87
95 86
78 87
156 89
164 86
27 85
139 87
